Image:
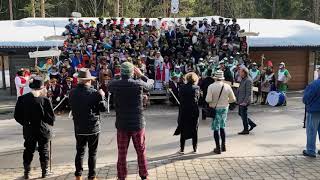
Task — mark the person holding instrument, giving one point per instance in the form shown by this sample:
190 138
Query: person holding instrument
35 113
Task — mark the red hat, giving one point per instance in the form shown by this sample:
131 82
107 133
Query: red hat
269 63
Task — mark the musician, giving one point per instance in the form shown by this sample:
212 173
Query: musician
283 79
255 75
35 113
267 84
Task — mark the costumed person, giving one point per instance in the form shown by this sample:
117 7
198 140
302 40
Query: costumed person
244 93
44 69
56 91
21 83
130 123
204 89
219 96
86 105
66 88
283 79
226 71
159 71
267 84
255 75
311 99
174 85
35 113
177 72
55 74
188 118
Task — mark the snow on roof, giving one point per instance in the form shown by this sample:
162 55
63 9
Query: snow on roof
30 32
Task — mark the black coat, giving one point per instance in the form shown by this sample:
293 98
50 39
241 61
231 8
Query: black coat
36 115
128 98
86 104
188 110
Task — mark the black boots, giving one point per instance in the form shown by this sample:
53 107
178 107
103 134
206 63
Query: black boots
27 169
45 170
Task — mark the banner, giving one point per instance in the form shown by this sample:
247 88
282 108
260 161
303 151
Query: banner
174 6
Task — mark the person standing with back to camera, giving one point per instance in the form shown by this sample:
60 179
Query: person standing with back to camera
130 123
35 113
86 105
188 119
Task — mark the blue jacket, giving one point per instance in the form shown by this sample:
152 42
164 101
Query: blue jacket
311 97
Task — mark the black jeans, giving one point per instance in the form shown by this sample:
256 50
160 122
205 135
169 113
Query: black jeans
194 142
243 112
82 141
30 143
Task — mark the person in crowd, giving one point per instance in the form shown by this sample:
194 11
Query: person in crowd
130 123
21 83
56 91
188 119
219 96
34 112
86 104
311 99
204 89
244 93
226 71
283 79
267 84
255 75
174 86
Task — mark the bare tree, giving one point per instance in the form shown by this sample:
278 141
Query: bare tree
10 10
42 8
33 9
316 11
117 8
273 9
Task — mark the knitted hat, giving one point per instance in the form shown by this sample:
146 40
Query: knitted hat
219 75
127 69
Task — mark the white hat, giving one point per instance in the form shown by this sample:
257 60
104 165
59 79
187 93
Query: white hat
254 64
201 59
222 62
219 75
282 63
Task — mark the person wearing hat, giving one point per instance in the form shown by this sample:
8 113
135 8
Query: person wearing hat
174 86
76 60
226 71
244 94
255 75
21 83
220 28
311 99
204 84
130 123
219 96
34 112
188 122
188 25
86 105
283 78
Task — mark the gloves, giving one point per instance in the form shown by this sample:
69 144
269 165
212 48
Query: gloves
58 99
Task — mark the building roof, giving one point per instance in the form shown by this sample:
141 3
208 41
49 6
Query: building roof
30 32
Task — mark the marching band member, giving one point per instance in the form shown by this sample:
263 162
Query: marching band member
283 79
21 83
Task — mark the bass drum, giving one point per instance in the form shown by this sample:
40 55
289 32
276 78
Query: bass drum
276 98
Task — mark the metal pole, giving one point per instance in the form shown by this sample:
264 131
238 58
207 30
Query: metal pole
3 74
50 156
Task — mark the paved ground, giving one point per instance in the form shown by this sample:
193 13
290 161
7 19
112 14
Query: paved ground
272 151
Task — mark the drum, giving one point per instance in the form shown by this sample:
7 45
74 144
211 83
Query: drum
276 98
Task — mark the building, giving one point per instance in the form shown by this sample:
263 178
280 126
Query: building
296 42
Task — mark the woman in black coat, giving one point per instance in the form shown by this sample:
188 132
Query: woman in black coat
35 113
189 112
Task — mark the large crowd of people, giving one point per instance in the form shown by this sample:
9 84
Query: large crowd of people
163 50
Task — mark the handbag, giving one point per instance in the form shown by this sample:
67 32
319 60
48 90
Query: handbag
211 112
